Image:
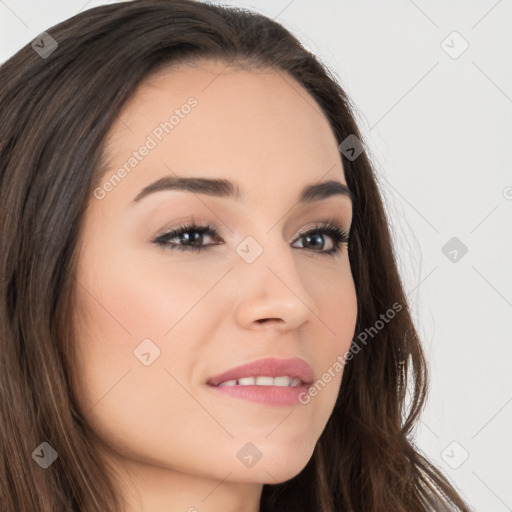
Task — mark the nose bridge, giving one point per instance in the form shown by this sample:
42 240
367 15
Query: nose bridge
270 283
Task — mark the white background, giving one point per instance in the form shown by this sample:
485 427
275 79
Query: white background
439 131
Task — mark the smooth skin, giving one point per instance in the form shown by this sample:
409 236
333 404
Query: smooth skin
172 439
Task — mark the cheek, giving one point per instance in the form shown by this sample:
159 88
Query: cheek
137 300
336 325
339 319
124 311
335 295
137 409
128 311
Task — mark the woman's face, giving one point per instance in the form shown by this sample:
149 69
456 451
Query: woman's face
156 323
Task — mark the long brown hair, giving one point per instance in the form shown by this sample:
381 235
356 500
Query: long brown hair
55 112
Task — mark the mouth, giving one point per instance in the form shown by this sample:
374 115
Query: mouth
271 381
283 381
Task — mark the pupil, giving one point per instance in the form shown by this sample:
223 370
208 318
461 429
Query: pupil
189 238
318 238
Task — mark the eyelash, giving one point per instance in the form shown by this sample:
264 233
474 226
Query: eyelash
339 236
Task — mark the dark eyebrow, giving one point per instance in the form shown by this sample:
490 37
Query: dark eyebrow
227 189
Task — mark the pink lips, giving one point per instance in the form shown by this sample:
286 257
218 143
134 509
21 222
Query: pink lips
270 367
268 395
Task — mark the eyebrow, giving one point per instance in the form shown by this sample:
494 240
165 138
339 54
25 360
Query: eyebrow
226 189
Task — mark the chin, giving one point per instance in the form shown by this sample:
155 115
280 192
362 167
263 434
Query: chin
276 467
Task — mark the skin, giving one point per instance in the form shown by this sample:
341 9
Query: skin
172 440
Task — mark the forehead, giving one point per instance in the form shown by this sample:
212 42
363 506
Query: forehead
209 119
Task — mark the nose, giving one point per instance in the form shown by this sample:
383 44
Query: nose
272 291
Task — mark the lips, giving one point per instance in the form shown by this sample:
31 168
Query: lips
269 367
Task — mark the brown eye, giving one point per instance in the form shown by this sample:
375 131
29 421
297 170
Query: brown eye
190 237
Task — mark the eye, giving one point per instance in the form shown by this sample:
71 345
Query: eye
190 237
314 236
187 242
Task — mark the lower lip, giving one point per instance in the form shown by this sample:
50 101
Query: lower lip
268 395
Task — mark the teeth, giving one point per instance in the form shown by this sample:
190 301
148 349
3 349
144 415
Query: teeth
228 383
266 381
282 381
247 381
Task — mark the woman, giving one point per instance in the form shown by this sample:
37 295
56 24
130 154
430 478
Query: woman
194 255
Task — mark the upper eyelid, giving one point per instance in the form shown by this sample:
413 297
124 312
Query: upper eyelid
213 231
317 214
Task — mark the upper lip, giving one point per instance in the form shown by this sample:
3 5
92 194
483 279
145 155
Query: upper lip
270 367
